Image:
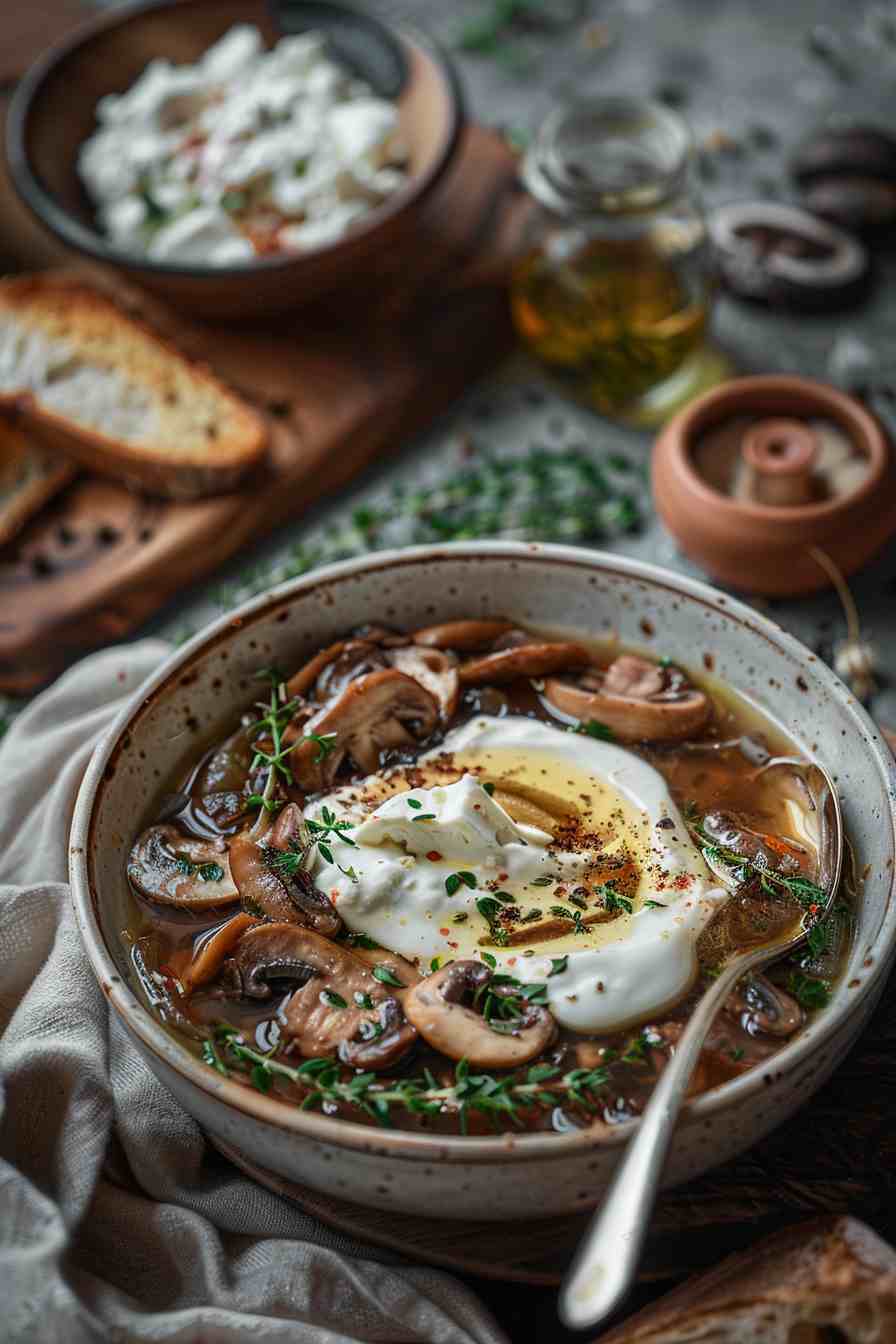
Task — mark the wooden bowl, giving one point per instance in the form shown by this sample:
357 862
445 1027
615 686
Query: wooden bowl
53 113
767 548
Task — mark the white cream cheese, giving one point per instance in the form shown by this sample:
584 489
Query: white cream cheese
423 859
246 150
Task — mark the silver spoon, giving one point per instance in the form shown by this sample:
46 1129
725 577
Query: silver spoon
605 1264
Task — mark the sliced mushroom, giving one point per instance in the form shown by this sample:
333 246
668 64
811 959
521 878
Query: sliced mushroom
380 1044
764 1009
330 671
209 955
467 636
637 700
528 660
339 1006
435 1006
380 711
436 672
267 889
219 788
176 869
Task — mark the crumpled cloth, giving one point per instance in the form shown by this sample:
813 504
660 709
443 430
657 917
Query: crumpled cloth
117 1220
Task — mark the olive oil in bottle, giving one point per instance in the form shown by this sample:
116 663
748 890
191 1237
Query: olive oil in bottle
614 293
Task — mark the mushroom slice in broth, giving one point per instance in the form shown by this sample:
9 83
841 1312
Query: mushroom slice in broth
174 869
339 1005
272 880
637 700
380 711
437 1009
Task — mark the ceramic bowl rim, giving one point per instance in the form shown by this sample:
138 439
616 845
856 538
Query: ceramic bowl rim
64 225
404 1143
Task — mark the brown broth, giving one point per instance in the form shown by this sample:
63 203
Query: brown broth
702 773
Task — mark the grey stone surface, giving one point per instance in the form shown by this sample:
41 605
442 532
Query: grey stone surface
746 69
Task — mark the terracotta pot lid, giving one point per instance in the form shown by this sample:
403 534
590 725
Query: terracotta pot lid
753 476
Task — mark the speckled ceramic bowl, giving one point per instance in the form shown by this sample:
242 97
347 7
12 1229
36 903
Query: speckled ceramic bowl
204 686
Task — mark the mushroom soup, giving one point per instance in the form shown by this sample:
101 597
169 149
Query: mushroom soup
475 877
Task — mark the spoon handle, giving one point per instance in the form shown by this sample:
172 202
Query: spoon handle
607 1259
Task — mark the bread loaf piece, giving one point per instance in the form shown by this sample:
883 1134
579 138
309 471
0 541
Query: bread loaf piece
29 476
104 390
831 1279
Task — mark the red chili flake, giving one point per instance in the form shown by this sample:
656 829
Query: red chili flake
813 908
511 961
454 945
444 932
334 894
433 855
682 880
502 877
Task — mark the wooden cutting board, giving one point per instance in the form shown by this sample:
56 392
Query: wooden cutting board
339 386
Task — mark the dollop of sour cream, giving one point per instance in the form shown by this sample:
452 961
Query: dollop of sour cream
423 860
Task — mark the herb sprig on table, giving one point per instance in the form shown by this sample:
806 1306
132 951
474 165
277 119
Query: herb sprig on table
577 495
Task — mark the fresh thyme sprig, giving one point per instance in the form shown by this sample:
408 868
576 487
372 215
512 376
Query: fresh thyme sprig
796 886
279 712
325 1085
314 834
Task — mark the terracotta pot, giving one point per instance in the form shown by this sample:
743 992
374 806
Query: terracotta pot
53 113
209 682
766 547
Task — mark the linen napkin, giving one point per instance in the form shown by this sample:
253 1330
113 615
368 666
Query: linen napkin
117 1219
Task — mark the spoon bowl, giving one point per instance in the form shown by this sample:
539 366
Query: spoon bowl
606 1262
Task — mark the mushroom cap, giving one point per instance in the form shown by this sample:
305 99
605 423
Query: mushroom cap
436 1009
380 710
535 659
337 994
467 636
764 1008
267 889
175 869
637 700
436 672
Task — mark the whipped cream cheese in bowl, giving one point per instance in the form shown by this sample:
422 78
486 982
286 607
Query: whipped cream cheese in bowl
534 851
231 167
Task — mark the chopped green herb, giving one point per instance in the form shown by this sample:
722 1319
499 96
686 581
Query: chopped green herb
558 966
488 959
654 905
329 996
460 918
386 976
614 902
809 991
489 788
211 872
362 1000
424 816
592 728
415 803
542 882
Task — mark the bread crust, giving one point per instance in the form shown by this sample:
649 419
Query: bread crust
833 1272
205 459
30 475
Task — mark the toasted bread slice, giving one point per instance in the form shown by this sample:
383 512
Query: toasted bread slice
828 1279
105 390
29 476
